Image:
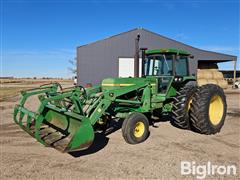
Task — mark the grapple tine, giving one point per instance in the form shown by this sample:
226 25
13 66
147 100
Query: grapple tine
21 119
28 122
15 112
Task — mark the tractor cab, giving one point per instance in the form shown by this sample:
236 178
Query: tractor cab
168 65
166 62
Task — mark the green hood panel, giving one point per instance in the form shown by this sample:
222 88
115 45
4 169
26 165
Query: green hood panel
167 50
113 83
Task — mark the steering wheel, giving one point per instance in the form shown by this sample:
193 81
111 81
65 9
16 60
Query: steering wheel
83 93
59 85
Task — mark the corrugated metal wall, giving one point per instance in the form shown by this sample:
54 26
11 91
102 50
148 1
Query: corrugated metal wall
99 60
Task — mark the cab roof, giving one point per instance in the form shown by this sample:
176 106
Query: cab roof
167 50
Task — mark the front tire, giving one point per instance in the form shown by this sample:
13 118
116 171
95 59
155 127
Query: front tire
135 128
208 110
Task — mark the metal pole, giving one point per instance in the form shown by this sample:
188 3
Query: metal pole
136 57
234 73
174 65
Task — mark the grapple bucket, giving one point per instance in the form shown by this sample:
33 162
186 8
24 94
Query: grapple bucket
53 124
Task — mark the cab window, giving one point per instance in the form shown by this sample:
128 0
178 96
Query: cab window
182 66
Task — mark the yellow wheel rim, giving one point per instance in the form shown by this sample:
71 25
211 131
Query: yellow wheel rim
139 129
216 109
189 103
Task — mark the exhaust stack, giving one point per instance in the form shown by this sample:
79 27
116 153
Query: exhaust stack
136 56
143 60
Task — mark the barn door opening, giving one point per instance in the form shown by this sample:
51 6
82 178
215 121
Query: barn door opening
126 67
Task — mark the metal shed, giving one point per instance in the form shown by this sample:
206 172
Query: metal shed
100 59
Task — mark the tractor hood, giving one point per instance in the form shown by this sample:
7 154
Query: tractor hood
113 83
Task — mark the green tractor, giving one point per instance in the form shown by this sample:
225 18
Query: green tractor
67 119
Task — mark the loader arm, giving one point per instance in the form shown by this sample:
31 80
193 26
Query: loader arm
110 96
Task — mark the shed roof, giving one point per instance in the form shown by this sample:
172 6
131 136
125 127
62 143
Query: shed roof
208 55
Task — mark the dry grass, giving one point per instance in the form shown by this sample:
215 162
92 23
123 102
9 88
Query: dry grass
12 87
31 81
6 92
4 81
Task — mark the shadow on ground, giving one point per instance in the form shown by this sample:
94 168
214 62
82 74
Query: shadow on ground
99 143
234 113
101 139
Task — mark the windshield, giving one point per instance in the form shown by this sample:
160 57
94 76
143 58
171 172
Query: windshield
158 65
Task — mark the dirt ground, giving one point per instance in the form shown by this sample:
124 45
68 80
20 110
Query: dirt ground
111 158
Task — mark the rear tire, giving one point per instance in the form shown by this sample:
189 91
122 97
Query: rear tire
181 106
135 128
208 110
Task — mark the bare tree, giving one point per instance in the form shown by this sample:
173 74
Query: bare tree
73 68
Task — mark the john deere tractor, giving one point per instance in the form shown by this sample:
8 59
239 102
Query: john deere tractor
67 119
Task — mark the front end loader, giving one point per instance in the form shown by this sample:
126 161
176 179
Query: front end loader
67 119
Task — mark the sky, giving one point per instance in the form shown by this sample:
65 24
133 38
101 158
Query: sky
39 37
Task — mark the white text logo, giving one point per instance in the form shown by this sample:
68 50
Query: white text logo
208 169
